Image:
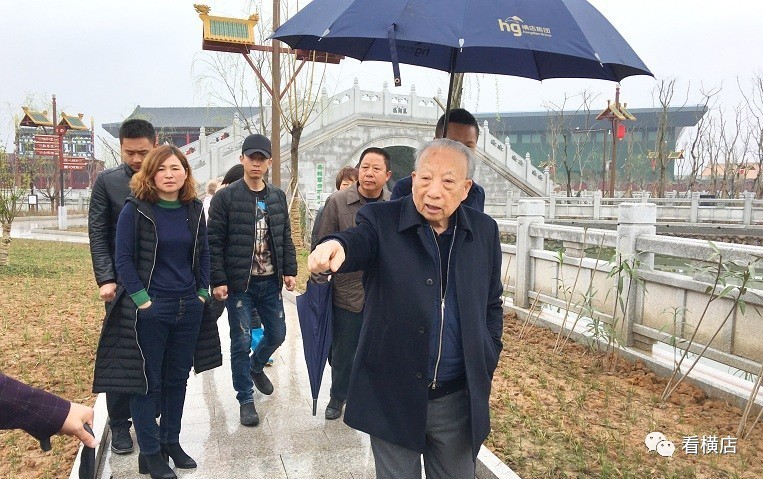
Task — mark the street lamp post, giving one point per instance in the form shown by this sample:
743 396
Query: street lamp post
61 131
275 120
60 162
603 163
617 114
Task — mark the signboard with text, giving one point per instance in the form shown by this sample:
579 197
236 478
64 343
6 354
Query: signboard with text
319 180
46 145
74 163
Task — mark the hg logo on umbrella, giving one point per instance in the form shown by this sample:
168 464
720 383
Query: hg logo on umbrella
518 27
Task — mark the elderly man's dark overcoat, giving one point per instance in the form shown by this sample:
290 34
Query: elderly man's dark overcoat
393 245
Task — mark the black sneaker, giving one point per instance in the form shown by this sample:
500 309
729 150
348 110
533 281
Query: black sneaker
121 441
249 416
334 409
262 382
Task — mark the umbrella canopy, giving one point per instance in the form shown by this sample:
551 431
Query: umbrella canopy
316 316
537 39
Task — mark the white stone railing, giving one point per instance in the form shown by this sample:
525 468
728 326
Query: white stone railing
355 101
212 155
662 307
745 210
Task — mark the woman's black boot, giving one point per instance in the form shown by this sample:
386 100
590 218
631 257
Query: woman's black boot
178 455
156 465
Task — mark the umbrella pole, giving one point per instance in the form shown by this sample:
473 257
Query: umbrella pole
315 406
453 55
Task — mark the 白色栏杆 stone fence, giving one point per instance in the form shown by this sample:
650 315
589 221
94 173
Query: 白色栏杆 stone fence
614 291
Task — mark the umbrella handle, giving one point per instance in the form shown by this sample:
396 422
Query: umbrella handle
89 429
45 444
87 458
393 57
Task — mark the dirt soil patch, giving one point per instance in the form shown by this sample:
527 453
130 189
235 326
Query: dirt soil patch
569 416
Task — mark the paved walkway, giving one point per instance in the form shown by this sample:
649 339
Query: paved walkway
46 228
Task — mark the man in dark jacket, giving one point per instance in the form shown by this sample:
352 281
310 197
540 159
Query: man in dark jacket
110 190
463 128
252 257
432 320
339 214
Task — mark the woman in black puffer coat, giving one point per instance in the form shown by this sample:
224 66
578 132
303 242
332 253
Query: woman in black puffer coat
158 329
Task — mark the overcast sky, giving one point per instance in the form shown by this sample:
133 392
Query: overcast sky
102 58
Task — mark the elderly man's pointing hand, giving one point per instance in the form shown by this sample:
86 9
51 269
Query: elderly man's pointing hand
327 256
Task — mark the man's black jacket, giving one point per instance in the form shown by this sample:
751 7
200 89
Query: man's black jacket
110 190
231 236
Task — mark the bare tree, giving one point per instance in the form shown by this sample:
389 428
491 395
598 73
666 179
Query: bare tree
567 145
664 93
458 90
12 181
558 140
712 148
111 155
754 104
698 140
240 88
45 173
733 156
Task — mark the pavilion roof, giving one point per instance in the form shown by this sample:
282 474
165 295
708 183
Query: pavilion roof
35 118
73 122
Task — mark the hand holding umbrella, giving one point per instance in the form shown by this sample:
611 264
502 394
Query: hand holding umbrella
80 416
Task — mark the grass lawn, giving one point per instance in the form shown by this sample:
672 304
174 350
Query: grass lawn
571 415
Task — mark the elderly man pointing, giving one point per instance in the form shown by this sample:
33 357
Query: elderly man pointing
432 321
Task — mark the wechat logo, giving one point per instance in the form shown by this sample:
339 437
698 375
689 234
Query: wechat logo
656 441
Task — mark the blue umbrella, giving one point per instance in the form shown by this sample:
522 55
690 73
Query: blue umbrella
536 39
314 309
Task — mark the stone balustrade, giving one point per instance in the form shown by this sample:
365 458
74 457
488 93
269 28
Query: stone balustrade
745 210
650 306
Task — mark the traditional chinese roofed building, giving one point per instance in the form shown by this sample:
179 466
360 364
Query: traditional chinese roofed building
181 125
36 150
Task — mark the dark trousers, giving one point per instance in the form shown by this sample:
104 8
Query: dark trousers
167 333
344 343
118 406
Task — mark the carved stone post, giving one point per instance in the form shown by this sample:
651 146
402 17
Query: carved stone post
530 212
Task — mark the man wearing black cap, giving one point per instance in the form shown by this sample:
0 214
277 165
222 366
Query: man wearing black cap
252 257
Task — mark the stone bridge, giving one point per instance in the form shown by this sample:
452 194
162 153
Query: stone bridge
345 124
